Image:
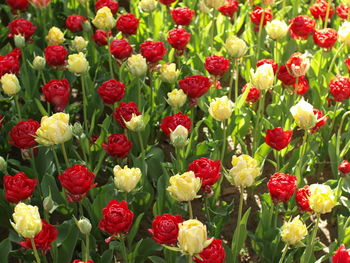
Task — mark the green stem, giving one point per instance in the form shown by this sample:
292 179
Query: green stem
310 246
327 14
143 155
238 228
212 31
336 107
139 94
110 58
58 167
335 57
189 257
337 150
87 249
258 128
236 80
124 252
301 156
44 257
36 255
277 153
85 103
259 35
65 155
223 150
190 210
285 249
18 107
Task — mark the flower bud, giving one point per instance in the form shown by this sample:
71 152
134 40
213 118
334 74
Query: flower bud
137 65
27 220
192 237
104 19
184 187
3 165
344 33
54 129
263 77
148 5
78 64
20 41
39 63
84 226
79 44
244 170
179 137
236 47
10 84
55 36
276 29
221 108
303 114
86 26
322 199
126 179
77 129
176 98
136 123
168 73
294 231
49 204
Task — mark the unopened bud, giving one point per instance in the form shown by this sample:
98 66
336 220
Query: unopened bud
20 41
179 137
84 226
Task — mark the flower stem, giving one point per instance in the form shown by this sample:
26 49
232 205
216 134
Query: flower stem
190 211
258 128
65 155
236 80
18 107
124 252
110 58
285 249
335 57
301 156
87 249
223 150
310 246
36 255
85 103
143 155
238 227
327 14
190 259
259 35
58 167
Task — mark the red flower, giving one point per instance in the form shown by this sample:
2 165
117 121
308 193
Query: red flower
277 138
165 229
325 38
195 86
281 187
21 5
284 76
229 8
100 37
301 27
182 16
10 63
303 86
339 87
259 14
153 51
113 5
111 91
23 134
167 2
22 27
18 187
321 120
77 180
75 23
43 239
268 61
128 24
116 218
124 112
207 170
118 145
253 95
302 198
343 11
55 55
342 255
297 64
170 123
347 63
319 10
178 38
57 93
120 48
214 253
344 167
217 65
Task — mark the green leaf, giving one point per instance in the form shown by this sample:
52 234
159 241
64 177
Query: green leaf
68 241
134 229
107 256
156 259
239 240
5 248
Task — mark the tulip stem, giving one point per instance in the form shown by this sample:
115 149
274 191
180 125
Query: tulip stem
335 57
143 155
327 14
190 259
18 107
85 103
259 35
336 107
65 154
285 249
236 80
301 156
190 211
223 142
110 58
277 154
310 246
36 255
238 227
256 133
124 253
58 167
87 252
